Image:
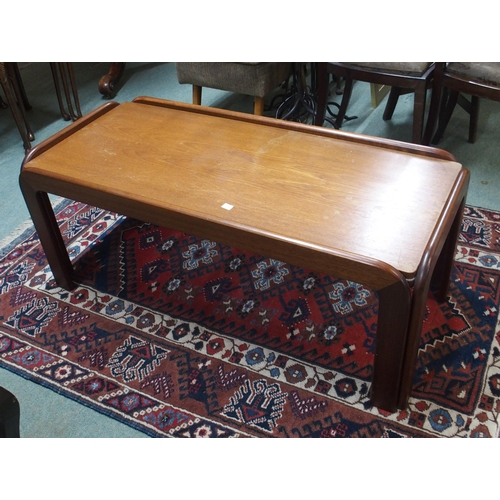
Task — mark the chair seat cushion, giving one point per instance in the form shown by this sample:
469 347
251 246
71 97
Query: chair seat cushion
484 72
400 68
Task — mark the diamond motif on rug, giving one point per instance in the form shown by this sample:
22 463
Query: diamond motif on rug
135 359
257 404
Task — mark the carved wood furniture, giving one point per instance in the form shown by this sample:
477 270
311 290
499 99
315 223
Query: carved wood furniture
382 213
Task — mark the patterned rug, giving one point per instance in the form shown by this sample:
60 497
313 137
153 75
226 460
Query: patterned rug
183 337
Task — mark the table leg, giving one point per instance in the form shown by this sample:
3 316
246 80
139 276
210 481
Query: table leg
442 271
437 268
393 316
43 217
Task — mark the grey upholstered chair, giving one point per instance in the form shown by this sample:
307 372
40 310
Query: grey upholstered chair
252 78
402 77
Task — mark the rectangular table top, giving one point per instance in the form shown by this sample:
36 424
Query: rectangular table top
305 185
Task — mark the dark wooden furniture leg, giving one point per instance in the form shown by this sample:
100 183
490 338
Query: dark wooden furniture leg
322 95
44 220
445 114
24 97
63 75
8 86
436 266
69 84
392 100
444 265
55 76
474 118
108 82
40 209
393 314
344 103
9 415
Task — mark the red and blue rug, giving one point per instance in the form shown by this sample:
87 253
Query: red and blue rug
183 337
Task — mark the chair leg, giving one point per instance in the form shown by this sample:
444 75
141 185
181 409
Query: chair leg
258 106
197 94
24 97
433 116
474 118
323 79
345 102
445 115
74 89
391 103
15 109
69 83
55 76
418 114
17 87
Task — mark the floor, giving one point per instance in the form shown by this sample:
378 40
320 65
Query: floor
47 414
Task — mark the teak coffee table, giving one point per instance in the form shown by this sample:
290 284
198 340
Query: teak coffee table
382 213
